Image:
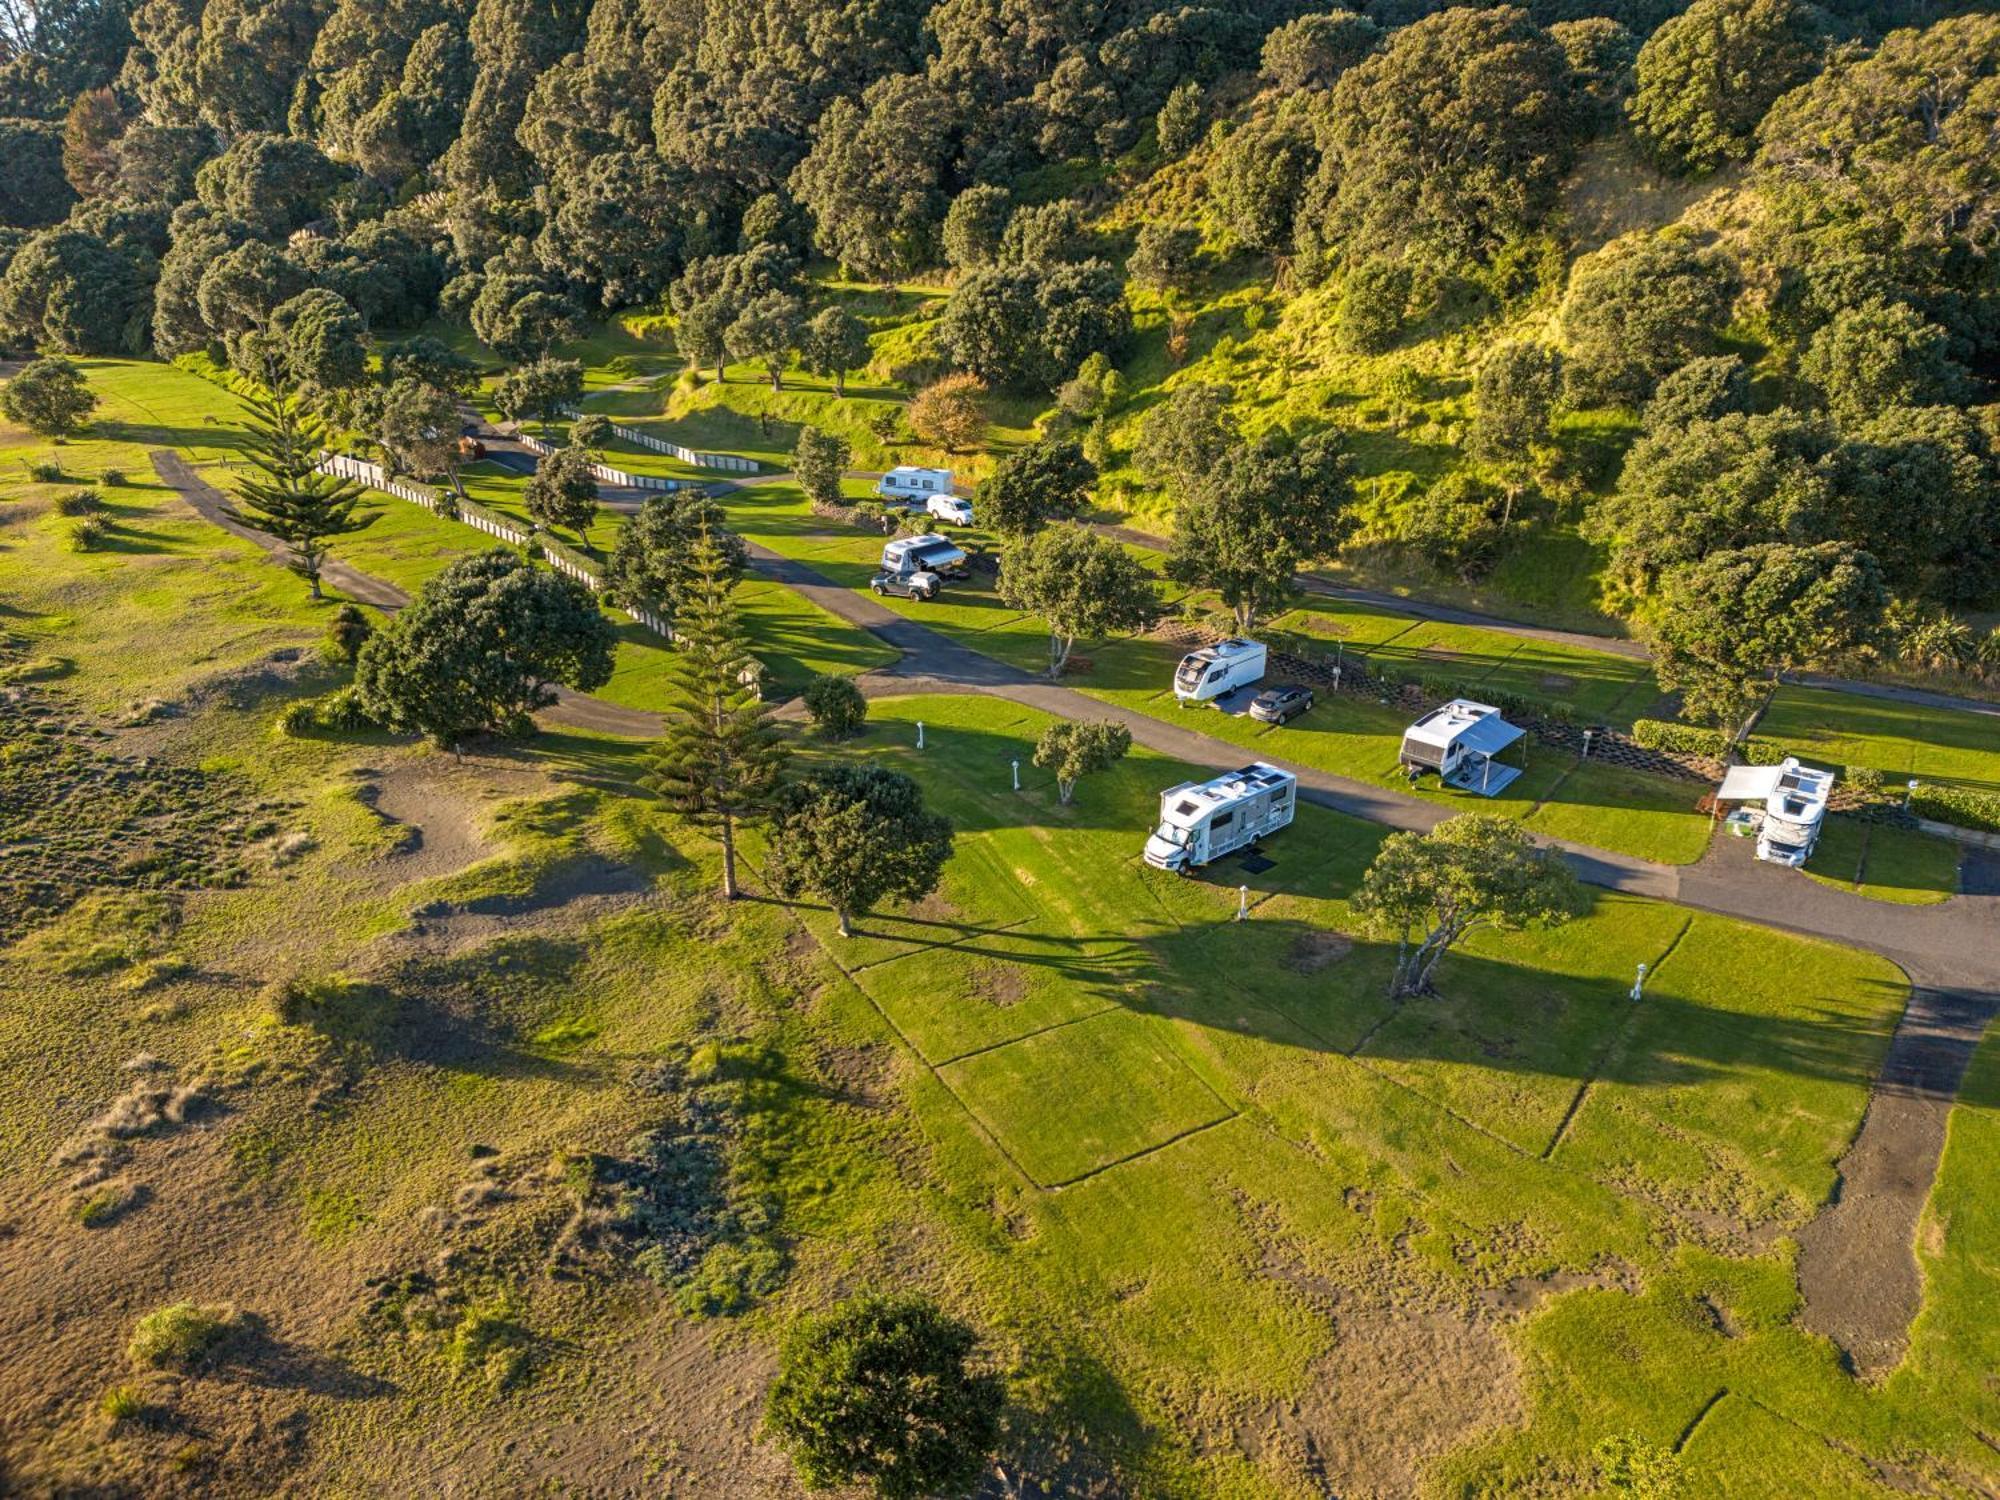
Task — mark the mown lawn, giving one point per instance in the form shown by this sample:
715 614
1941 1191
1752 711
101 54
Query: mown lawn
1198 1116
1884 862
1901 740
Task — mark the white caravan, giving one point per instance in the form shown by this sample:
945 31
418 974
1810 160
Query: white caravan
1459 741
1794 799
1201 821
929 553
907 484
1218 669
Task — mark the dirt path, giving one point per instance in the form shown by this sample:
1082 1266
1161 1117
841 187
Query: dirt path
1857 1266
572 710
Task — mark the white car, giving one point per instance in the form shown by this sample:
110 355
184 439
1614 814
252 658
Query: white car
949 509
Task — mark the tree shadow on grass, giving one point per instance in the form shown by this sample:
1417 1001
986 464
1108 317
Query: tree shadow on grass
164 435
255 1355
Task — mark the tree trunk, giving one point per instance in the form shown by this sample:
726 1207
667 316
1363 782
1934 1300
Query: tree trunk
312 579
840 383
777 377
1246 616
1059 649
728 858
1065 788
846 927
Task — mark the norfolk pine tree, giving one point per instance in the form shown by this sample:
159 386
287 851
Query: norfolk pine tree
720 758
289 498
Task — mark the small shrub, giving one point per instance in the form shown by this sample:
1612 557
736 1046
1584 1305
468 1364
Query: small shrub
179 1337
1864 779
123 1403
88 534
341 711
333 1005
730 1277
78 503
114 478
836 705
46 471
346 634
488 1342
298 718
104 1205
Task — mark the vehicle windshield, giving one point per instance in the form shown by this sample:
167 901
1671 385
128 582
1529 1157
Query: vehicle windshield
1172 835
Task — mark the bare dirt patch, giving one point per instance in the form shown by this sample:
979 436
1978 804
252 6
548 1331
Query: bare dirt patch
1400 1387
999 984
1312 952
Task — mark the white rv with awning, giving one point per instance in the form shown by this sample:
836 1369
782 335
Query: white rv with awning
1201 821
1459 741
1788 806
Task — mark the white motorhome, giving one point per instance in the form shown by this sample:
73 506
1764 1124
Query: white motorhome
906 484
1200 821
1459 741
1793 798
1218 669
929 553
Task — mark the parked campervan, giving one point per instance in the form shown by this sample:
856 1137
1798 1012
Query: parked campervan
1794 799
929 553
906 484
1202 821
1218 669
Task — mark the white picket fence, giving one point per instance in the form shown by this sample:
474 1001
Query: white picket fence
605 473
731 462
373 475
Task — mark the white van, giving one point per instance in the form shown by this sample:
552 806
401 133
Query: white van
929 553
1202 821
906 484
949 509
1218 669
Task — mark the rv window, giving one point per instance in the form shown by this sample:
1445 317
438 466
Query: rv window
1216 675
1222 821
1185 809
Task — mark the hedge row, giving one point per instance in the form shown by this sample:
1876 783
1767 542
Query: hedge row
1712 744
1959 805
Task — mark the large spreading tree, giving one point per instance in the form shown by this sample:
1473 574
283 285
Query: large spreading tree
1263 511
483 646
856 835
652 564
50 396
881 1392
1429 891
1081 585
1731 623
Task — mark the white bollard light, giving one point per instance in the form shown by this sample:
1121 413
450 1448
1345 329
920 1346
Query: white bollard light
1017 776
1639 983
920 734
1242 902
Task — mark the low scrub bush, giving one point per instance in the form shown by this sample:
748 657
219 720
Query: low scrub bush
78 503
46 471
1960 806
180 1337
339 712
333 1005
115 478
88 534
123 1403
346 634
835 705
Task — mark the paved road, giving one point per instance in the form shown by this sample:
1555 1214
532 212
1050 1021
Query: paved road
1856 1268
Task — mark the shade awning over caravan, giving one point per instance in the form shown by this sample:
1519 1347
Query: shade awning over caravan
1489 735
1749 783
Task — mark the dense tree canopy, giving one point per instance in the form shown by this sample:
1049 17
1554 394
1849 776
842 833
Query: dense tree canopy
1706 78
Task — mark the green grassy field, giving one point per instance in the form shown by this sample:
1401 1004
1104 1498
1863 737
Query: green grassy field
1884 862
1236 1224
1901 740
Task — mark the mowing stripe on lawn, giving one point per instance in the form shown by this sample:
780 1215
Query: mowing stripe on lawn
1109 1006
1612 1042
1143 1152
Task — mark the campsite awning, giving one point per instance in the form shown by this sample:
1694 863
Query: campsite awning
1490 735
1749 783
